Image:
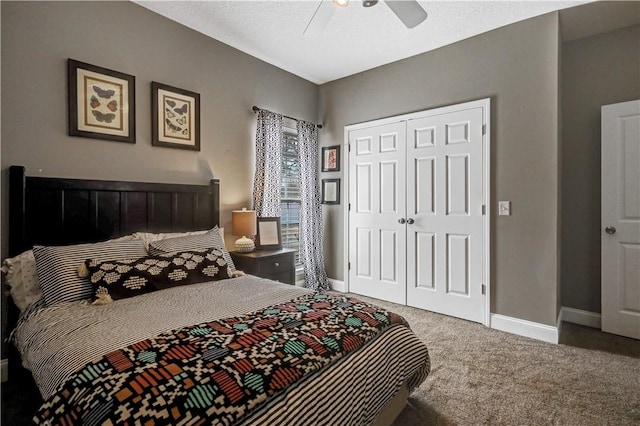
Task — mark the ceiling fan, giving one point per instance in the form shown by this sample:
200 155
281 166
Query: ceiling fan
408 11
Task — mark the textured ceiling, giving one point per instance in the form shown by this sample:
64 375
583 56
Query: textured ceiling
356 38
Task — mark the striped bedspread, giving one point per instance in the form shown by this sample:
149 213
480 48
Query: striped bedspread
351 391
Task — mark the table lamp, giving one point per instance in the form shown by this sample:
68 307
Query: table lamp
243 222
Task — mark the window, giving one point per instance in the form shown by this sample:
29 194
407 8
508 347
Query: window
290 195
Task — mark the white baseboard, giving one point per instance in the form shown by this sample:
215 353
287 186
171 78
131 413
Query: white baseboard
534 330
578 316
337 285
4 370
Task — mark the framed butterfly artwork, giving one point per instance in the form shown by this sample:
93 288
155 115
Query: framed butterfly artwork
101 103
175 117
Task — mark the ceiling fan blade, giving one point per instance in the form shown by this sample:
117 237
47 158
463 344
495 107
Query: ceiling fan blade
320 18
409 11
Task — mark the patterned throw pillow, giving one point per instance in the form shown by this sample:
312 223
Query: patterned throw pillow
204 241
119 279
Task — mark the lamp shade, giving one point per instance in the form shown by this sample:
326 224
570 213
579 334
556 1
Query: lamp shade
243 222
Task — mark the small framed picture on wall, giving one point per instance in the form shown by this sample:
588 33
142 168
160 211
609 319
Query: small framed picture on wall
331 158
330 191
175 117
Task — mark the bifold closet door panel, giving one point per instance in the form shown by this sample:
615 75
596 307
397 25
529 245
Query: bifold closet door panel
444 201
377 203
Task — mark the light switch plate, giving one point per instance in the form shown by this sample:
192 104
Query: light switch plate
504 208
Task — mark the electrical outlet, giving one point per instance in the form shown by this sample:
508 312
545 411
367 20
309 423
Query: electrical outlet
504 208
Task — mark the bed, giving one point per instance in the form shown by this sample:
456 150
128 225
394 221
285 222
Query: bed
228 349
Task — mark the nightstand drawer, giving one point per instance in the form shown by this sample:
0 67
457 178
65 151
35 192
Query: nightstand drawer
275 264
287 277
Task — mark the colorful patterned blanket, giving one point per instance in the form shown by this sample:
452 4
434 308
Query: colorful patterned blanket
216 372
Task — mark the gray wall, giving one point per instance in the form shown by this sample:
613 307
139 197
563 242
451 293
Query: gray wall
517 67
598 70
37 39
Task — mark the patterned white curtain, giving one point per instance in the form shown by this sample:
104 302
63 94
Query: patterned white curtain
266 183
311 209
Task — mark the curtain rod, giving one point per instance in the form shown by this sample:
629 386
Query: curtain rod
256 109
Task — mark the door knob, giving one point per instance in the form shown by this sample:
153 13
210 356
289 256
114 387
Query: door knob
410 221
401 221
610 230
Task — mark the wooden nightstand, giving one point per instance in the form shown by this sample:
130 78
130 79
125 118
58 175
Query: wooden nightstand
277 265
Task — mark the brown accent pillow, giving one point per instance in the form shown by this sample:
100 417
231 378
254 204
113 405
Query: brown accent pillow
119 279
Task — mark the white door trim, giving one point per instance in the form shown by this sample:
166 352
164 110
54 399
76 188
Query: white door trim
485 104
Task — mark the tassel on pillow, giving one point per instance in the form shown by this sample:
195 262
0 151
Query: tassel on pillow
83 271
102 297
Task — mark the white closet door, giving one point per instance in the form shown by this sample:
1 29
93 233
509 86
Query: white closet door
377 198
444 202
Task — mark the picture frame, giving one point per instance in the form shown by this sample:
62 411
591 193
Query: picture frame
175 117
331 158
330 191
269 235
101 102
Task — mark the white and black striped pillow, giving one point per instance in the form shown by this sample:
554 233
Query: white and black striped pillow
204 241
58 267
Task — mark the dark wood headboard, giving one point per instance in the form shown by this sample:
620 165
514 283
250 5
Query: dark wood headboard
54 211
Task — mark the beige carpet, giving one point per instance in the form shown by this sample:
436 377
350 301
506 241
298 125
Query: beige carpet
481 376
